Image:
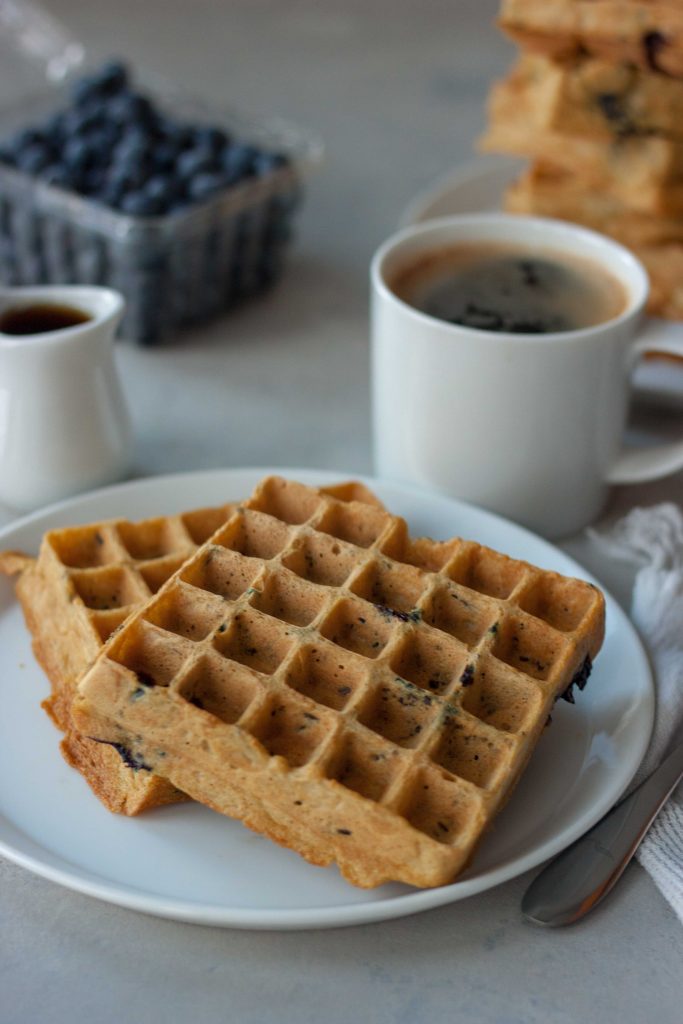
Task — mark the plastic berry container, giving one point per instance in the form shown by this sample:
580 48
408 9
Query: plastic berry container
174 268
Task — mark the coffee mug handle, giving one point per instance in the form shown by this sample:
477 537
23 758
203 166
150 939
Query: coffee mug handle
641 464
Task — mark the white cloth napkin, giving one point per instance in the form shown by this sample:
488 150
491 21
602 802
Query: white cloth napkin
653 538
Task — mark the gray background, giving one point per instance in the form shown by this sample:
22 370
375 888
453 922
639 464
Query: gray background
397 91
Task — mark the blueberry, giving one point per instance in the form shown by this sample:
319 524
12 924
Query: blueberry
206 184
53 128
92 181
135 137
179 135
117 109
163 188
103 140
164 157
112 192
132 108
77 153
34 158
82 90
132 148
138 204
113 77
24 139
196 161
213 139
108 81
238 161
128 177
132 158
80 121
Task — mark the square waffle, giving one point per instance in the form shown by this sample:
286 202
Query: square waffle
591 98
83 585
645 172
551 192
355 694
644 33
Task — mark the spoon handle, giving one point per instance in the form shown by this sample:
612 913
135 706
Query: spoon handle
582 875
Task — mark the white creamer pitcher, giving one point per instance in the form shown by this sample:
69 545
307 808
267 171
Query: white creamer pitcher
64 426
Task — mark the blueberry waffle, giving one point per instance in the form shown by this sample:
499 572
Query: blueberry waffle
643 171
83 585
354 694
591 98
643 33
550 192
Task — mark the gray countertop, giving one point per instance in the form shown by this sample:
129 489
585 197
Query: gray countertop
397 91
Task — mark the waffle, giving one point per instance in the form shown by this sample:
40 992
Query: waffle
83 585
646 34
550 192
591 98
352 693
645 172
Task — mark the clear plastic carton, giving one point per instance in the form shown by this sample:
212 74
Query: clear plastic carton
174 270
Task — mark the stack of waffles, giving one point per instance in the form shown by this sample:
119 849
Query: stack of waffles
594 100
301 663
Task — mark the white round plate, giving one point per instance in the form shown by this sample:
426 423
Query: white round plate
478 186
188 863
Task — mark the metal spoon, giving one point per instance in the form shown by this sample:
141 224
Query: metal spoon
582 875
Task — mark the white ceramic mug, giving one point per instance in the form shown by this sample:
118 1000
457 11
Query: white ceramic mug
530 426
64 426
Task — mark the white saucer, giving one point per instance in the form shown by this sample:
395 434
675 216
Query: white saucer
475 186
187 863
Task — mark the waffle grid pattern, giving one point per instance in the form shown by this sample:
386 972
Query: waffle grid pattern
411 673
83 585
115 566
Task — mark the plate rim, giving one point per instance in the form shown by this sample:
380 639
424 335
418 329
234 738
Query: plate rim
87 882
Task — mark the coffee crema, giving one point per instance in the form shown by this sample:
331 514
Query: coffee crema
509 289
41 317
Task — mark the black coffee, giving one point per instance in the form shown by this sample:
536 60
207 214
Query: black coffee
40 318
509 289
